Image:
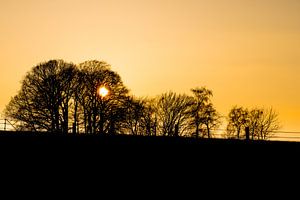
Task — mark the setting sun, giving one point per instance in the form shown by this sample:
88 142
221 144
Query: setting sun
103 91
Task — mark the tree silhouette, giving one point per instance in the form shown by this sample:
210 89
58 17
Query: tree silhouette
69 85
100 114
202 112
261 122
134 109
141 118
54 90
44 99
238 119
150 117
173 114
255 117
57 95
210 119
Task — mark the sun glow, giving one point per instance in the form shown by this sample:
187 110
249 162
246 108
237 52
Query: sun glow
103 91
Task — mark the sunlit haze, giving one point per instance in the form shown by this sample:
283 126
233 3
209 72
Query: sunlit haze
246 51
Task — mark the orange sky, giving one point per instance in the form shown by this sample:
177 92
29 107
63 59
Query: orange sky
246 51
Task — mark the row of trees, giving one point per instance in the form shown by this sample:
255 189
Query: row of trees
62 97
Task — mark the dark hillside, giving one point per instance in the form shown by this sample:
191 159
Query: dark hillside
29 140
31 151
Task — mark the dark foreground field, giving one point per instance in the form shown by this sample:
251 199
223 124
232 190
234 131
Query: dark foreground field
55 142
39 138
143 153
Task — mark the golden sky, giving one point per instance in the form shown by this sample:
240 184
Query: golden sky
246 51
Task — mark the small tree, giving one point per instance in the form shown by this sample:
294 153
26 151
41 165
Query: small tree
262 123
150 118
202 111
238 119
255 117
210 119
134 109
173 112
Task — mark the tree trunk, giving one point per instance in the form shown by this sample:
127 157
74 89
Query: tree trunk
94 123
176 133
112 129
197 130
75 117
66 119
148 128
89 123
208 131
56 118
52 122
101 124
155 128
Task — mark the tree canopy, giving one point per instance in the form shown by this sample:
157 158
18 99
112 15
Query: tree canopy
61 97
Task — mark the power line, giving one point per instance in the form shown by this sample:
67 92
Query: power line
287 137
296 132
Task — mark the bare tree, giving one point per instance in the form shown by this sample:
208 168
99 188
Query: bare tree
43 101
150 117
100 114
202 111
254 123
238 119
262 123
54 90
174 114
67 79
210 118
141 117
134 109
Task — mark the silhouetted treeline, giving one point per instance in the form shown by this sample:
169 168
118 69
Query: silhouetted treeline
62 97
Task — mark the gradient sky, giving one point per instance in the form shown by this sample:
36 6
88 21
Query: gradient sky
246 51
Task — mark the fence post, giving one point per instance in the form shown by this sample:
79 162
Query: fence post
4 124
